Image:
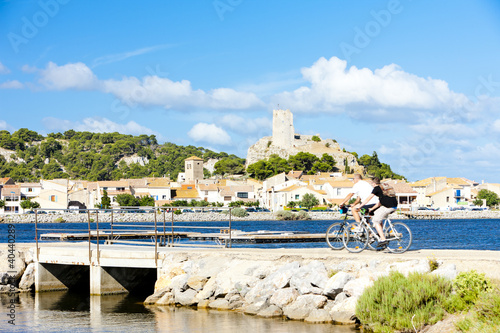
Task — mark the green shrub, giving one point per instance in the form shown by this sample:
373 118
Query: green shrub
302 215
239 212
59 220
177 212
395 302
485 316
316 138
285 215
467 287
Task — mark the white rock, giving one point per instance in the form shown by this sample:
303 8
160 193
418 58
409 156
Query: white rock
318 316
356 287
208 290
270 311
336 283
411 266
344 312
28 278
449 271
187 297
283 297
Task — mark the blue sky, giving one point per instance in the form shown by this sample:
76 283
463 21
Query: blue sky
416 81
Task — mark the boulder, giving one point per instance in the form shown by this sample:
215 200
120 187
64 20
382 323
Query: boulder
411 266
270 312
356 287
219 304
187 297
344 312
152 299
28 279
12 266
449 271
166 299
196 282
318 316
179 282
336 283
208 289
234 274
308 278
303 305
283 297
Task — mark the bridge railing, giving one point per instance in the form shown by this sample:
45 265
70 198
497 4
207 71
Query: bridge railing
117 226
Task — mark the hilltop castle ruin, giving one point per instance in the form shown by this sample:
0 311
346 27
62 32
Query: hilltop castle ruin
285 142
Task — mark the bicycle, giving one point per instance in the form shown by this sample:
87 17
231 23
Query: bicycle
360 235
336 230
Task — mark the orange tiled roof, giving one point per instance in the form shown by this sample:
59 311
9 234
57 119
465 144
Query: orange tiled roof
186 194
195 158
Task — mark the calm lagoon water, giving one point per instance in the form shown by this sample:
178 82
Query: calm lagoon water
67 312
463 234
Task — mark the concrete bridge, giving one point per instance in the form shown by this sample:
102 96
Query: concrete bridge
105 270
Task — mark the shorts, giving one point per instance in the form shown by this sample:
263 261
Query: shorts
366 207
381 213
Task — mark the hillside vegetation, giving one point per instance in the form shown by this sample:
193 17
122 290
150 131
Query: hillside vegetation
29 156
97 156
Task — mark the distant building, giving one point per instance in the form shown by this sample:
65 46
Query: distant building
193 168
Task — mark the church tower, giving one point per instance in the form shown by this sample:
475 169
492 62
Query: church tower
283 131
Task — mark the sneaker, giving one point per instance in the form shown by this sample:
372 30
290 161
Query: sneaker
383 243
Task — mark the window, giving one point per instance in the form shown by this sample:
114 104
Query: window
164 197
190 187
447 199
206 192
30 189
297 196
242 195
339 192
227 198
53 198
188 166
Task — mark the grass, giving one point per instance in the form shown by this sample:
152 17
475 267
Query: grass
433 264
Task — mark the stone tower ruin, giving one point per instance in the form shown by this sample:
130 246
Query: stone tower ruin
283 130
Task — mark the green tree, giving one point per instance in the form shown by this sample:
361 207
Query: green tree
28 204
2 203
105 200
259 170
490 196
230 166
302 161
309 200
291 204
127 200
147 201
316 138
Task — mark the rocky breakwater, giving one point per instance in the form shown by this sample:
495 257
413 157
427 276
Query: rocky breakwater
316 291
17 269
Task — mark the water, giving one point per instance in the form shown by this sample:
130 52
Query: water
64 311
460 234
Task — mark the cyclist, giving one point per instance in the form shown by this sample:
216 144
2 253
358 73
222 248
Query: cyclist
363 190
387 204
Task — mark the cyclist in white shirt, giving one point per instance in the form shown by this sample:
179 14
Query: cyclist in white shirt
362 189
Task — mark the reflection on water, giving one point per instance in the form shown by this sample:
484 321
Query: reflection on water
64 311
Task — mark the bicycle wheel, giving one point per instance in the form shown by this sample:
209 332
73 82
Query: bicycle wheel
334 236
372 241
355 237
399 236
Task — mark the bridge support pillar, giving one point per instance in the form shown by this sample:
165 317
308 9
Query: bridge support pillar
103 283
46 280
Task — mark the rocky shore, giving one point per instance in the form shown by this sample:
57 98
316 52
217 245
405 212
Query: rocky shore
216 216
316 289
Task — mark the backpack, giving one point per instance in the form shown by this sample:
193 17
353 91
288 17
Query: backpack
387 190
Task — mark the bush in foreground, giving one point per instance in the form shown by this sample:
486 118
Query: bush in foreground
395 302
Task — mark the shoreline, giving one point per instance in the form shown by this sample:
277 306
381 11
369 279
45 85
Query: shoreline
213 216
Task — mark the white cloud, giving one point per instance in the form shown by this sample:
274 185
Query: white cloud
209 133
334 86
71 76
5 126
150 91
14 84
3 69
108 59
496 126
98 125
246 125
